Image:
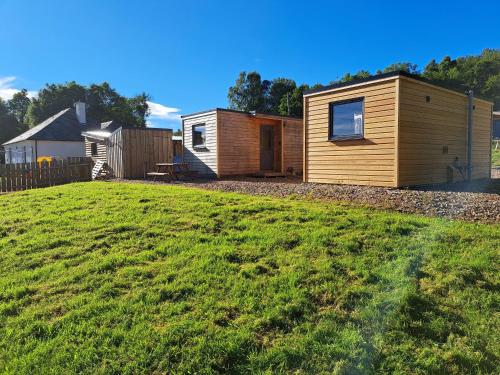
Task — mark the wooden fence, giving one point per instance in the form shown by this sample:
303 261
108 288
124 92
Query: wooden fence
23 176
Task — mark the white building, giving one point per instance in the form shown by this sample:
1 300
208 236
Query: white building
58 137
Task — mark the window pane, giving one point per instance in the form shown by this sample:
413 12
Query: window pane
347 119
199 135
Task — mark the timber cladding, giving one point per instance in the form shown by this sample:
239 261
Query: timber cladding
133 152
201 159
433 133
100 147
239 146
369 161
293 146
232 144
412 132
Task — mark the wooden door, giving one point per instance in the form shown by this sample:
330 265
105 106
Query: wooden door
266 148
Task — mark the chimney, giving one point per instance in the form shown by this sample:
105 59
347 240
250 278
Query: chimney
80 113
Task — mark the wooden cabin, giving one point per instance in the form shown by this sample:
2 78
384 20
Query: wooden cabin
222 142
130 152
393 130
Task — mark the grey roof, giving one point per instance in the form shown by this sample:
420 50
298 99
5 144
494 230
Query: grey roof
97 134
63 126
111 125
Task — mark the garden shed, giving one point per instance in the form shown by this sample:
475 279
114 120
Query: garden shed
395 130
129 152
223 142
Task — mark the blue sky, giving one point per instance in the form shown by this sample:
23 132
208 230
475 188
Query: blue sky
186 54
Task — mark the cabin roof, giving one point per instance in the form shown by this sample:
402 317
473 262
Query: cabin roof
376 77
249 113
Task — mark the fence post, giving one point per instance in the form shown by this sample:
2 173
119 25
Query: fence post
22 178
15 174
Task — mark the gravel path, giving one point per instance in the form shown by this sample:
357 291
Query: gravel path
449 201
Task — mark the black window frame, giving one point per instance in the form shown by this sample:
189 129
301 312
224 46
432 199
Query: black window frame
93 149
347 137
201 146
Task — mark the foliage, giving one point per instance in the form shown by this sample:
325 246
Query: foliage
249 93
19 104
401 66
292 103
351 77
104 103
495 155
9 126
278 91
280 96
482 73
119 278
283 96
178 132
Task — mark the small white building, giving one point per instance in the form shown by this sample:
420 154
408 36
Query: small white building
58 137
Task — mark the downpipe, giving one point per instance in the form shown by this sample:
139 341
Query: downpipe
470 112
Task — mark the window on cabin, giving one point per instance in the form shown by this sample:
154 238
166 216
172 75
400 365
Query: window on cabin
93 149
199 135
346 119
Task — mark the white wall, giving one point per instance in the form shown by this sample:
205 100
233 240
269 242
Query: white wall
20 152
15 152
203 160
60 149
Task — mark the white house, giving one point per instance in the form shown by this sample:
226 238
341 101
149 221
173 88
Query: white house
60 137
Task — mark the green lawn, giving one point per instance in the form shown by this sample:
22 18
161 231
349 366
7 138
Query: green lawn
117 278
495 156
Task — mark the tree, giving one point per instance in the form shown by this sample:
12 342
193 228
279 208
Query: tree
293 105
279 90
350 77
104 104
279 96
53 99
9 126
18 105
249 93
482 73
178 133
400 66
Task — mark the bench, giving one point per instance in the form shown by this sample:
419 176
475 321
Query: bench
173 170
157 174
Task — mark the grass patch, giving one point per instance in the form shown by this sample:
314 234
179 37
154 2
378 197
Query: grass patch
130 278
495 156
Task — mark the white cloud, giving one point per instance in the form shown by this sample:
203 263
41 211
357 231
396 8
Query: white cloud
159 111
8 89
161 116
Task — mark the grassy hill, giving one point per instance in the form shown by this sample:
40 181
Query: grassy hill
130 278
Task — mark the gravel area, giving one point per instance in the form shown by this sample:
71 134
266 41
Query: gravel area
478 202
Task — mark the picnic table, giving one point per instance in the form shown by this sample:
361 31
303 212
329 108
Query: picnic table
171 170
